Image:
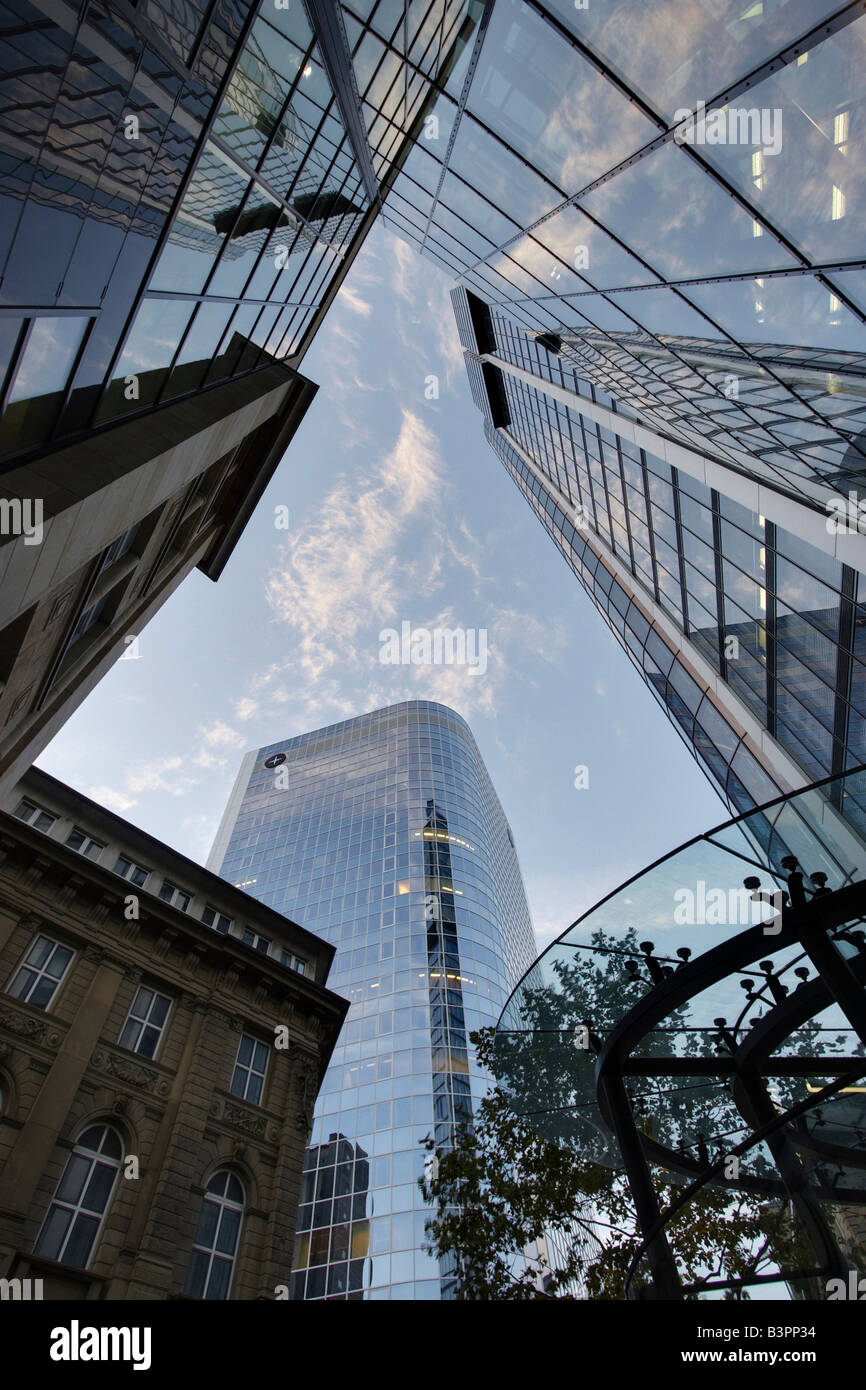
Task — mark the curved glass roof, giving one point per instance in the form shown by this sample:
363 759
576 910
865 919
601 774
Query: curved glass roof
677 1056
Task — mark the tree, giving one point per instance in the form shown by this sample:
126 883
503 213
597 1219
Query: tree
499 1185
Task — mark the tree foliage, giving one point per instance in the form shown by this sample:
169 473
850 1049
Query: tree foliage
499 1187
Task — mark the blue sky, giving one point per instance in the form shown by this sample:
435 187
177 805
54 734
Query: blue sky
398 511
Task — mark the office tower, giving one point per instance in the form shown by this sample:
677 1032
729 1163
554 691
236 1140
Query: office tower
184 188
162 1039
383 834
655 217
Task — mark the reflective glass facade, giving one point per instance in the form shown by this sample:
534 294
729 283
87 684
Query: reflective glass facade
384 835
562 179
183 186
655 216
740 626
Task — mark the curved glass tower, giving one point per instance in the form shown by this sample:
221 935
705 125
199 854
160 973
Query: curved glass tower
384 835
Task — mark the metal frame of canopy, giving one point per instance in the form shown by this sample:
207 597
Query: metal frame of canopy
813 923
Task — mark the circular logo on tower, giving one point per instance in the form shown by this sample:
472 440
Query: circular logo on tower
275 759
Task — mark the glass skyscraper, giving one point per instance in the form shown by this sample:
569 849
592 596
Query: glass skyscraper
384 835
655 216
184 185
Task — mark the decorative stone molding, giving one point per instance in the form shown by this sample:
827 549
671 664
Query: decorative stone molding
94 954
129 1072
194 959
22 1027
305 1086
106 903
70 890
241 1118
35 871
29 921
164 942
21 700
59 605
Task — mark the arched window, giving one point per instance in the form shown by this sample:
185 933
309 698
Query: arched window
78 1208
216 1240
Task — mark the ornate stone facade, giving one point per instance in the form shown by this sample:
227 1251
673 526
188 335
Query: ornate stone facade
183 1108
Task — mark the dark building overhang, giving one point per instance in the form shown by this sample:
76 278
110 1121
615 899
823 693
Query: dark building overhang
496 398
258 459
482 323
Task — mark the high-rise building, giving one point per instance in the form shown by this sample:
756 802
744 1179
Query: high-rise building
384 835
655 216
184 187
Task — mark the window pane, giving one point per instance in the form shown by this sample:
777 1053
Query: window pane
59 961
39 952
43 993
80 1242
207 1223
196 1274
72 1182
228 1231
159 1011
143 1001
52 1234
99 1188
218 1282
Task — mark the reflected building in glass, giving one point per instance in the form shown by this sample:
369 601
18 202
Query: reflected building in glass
655 216
384 835
183 187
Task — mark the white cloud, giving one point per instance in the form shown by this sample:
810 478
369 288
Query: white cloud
340 574
160 774
114 800
221 735
350 299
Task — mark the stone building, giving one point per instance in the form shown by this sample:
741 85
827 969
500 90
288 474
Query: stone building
162 1040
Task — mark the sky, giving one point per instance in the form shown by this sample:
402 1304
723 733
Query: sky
397 511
